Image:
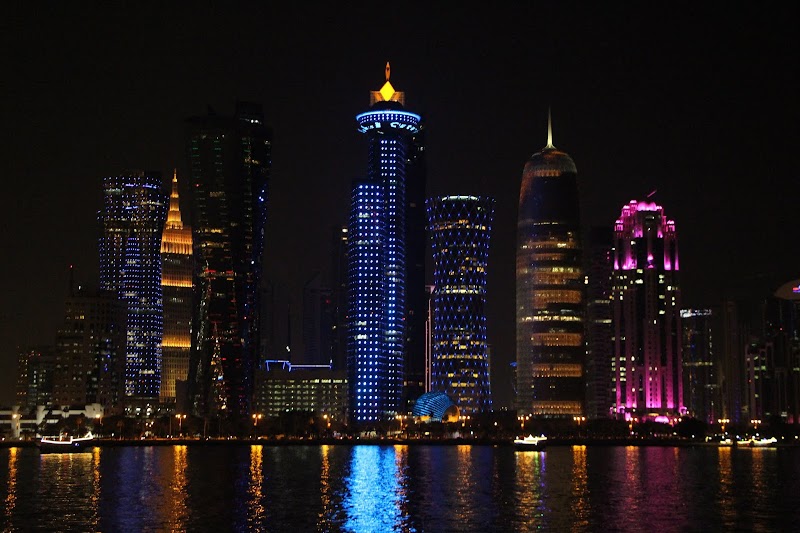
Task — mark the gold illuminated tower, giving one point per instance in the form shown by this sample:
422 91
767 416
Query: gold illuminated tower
176 283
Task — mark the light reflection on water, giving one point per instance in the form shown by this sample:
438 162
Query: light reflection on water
400 488
373 490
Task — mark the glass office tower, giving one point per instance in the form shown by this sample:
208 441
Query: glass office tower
460 228
131 220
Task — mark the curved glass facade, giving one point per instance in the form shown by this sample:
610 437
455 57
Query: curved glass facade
550 289
132 218
460 228
436 405
377 261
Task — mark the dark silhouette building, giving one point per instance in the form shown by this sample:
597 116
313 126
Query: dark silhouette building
550 288
599 328
229 170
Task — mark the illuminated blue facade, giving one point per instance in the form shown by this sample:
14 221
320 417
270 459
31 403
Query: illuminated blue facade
436 405
460 228
133 215
377 261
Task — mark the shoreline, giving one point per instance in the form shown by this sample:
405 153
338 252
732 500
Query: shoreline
552 441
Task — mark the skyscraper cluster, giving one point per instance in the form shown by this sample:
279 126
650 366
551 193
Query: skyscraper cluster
184 321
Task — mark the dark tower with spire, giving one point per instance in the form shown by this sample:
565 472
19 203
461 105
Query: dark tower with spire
550 292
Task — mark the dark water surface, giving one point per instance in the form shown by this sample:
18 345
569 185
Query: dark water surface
401 488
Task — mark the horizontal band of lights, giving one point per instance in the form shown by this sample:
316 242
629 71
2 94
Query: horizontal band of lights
389 121
556 407
460 229
557 339
557 370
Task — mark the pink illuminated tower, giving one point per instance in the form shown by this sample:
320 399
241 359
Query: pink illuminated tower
646 306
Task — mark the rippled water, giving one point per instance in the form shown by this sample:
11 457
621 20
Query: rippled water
400 488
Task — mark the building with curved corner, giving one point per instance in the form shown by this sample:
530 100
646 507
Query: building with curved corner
460 227
550 288
435 407
377 268
131 220
648 338
230 161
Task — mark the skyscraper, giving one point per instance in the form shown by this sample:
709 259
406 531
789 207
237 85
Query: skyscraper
176 285
550 291
377 259
229 165
131 220
647 324
599 327
700 389
460 228
417 295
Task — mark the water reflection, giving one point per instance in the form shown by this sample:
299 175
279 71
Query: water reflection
255 506
530 468
324 516
70 484
11 491
373 490
178 494
726 489
580 496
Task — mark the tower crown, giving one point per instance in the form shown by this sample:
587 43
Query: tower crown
387 92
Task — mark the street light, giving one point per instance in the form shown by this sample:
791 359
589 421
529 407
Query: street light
722 422
180 423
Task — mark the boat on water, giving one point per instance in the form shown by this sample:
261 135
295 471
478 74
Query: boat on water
66 443
761 443
531 443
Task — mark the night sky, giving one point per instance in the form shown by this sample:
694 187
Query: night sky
697 104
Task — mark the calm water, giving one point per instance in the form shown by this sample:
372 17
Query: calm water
401 488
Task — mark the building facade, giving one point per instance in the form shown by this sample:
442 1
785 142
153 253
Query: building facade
131 220
230 159
282 387
177 289
700 382
647 362
377 267
90 363
460 228
599 327
550 288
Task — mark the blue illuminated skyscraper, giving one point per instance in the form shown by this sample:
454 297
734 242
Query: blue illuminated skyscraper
460 227
131 220
377 259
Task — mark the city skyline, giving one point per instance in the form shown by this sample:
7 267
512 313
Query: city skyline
703 113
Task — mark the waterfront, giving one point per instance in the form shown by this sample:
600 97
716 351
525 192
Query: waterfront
341 487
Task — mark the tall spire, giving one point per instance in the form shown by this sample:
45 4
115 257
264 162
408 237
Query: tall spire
549 130
174 215
388 71
177 237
